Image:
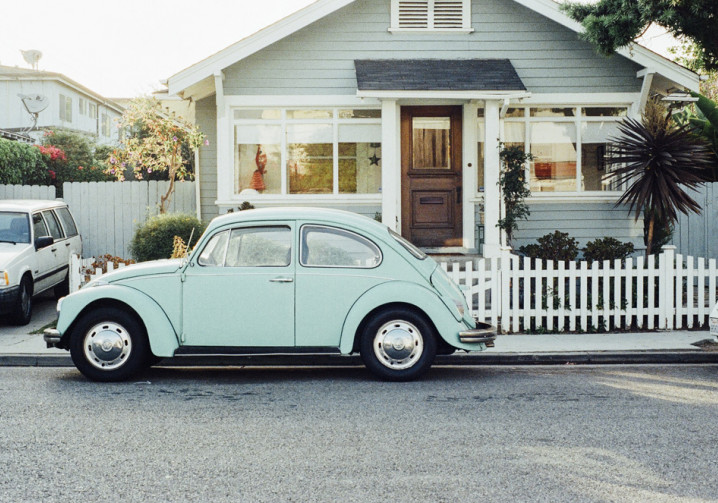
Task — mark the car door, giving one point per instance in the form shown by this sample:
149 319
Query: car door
44 257
336 267
73 241
60 252
239 291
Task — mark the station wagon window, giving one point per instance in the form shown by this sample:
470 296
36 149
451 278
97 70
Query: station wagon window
213 254
67 222
259 247
53 225
38 226
331 247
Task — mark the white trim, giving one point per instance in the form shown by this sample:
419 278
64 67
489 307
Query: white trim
645 93
302 199
391 165
429 30
465 95
301 100
575 197
583 99
492 165
470 157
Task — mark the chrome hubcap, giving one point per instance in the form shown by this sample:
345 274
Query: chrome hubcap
398 344
24 300
107 345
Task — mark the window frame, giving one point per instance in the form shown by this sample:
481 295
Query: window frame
577 120
283 122
303 248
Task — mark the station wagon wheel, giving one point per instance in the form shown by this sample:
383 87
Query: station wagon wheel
23 303
108 344
398 345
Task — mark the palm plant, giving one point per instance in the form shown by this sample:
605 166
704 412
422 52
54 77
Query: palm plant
658 164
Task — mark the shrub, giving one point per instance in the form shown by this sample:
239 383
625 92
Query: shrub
607 249
155 238
21 163
555 246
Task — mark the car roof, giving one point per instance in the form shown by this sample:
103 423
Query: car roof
28 205
323 215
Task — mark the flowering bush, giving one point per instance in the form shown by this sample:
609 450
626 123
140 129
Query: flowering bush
21 163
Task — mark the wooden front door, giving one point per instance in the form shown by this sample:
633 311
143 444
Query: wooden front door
431 175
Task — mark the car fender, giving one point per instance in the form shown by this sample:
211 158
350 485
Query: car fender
162 336
403 292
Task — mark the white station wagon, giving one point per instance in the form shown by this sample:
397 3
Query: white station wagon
36 240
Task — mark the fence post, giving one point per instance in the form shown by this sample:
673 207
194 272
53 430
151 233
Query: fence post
667 307
504 293
74 272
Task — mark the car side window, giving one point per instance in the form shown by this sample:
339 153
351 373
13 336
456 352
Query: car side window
53 225
38 226
215 250
332 247
67 221
259 247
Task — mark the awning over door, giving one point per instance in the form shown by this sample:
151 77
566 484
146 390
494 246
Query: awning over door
465 76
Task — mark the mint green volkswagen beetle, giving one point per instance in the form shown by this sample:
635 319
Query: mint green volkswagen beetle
274 281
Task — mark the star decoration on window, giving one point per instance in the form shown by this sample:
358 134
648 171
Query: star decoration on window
374 160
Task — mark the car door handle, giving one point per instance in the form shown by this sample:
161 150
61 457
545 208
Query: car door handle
281 280
67 244
53 249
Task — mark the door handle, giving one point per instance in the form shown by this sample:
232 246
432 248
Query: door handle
53 249
67 244
281 280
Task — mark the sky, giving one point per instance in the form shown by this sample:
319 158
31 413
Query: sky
126 48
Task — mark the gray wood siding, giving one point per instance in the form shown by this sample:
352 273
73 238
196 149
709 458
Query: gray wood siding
697 235
206 119
320 58
584 222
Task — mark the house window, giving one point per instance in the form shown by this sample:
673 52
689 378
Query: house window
82 106
569 145
105 125
307 151
431 15
65 108
93 111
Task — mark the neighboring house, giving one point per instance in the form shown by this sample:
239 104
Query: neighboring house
69 105
397 108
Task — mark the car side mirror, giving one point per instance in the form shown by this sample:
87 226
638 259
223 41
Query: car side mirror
43 241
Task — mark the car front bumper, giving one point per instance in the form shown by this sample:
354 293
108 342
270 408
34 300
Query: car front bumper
8 297
52 337
484 333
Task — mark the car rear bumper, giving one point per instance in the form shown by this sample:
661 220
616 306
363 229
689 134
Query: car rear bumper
52 337
484 333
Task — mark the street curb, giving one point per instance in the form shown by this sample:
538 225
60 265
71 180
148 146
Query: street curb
556 358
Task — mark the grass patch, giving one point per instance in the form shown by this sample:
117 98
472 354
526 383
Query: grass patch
52 324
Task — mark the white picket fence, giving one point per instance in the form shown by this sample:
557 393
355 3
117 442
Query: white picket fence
83 270
665 292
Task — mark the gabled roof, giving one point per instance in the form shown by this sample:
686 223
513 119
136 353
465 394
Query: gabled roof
214 64
15 73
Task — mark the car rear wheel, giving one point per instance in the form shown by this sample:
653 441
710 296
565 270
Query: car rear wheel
108 344
398 345
23 303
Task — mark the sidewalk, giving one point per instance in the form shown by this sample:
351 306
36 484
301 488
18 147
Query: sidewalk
19 347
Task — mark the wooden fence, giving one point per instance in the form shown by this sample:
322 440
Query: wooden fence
108 213
697 234
27 192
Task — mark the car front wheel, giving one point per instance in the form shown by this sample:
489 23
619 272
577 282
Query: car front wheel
398 345
23 304
108 344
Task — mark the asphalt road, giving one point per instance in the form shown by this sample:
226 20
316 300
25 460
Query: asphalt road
555 434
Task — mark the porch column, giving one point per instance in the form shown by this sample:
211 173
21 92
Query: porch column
470 158
391 165
492 163
224 150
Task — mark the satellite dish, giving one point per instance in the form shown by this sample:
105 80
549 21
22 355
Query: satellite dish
34 104
31 57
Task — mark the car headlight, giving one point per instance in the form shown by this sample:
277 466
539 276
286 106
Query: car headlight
4 278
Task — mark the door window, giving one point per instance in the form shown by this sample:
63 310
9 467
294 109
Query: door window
213 254
38 226
53 225
67 221
331 247
259 247
431 143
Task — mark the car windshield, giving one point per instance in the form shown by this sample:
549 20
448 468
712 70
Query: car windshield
409 246
14 227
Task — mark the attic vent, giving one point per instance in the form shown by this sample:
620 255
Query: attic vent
431 15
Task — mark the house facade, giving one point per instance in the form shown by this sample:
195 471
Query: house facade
64 104
396 109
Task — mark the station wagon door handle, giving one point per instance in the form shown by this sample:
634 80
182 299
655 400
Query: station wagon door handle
281 280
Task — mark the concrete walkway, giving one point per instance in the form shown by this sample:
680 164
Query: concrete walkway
20 346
